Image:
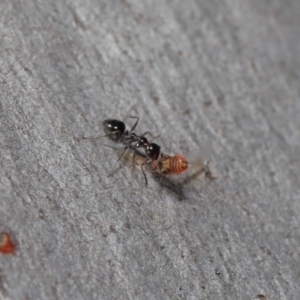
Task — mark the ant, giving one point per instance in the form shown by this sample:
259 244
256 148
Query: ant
116 131
161 163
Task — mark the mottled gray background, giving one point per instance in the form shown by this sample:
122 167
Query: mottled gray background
222 75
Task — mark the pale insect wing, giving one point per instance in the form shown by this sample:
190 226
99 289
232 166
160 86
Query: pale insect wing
197 160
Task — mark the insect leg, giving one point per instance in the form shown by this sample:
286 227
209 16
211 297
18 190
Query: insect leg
117 161
98 137
146 181
87 137
133 157
136 122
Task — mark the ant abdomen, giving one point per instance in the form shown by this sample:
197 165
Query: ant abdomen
114 129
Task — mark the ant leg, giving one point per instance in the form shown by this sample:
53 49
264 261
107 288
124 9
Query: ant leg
133 157
148 132
136 122
98 137
109 174
78 137
89 138
146 181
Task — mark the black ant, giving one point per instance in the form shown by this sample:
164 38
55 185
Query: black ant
116 131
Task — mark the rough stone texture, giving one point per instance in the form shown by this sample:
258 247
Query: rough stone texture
217 74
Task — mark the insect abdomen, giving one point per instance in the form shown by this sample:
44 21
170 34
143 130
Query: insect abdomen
178 164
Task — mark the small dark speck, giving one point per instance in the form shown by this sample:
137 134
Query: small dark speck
127 225
186 112
162 247
266 250
207 103
180 289
217 272
41 214
261 297
111 263
112 229
156 100
203 287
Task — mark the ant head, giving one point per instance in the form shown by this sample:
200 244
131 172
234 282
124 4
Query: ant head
153 151
114 128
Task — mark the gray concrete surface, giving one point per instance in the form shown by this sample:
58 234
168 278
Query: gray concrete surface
222 75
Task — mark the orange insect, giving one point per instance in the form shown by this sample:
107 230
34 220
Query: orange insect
195 162
169 165
6 244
